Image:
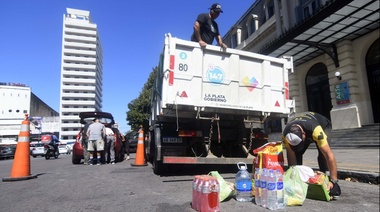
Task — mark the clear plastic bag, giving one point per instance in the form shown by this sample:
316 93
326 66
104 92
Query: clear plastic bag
295 187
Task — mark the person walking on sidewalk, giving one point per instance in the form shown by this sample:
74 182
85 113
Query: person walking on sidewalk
206 29
86 154
96 133
304 129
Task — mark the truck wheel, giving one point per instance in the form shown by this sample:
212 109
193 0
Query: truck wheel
157 167
157 164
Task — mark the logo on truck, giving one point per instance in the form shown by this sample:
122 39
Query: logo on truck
215 75
250 83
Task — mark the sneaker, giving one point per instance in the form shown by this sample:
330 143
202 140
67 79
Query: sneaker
90 164
113 163
98 164
128 158
85 163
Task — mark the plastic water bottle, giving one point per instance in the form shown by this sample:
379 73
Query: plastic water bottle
198 193
213 198
205 192
257 176
264 188
195 194
280 189
271 191
243 183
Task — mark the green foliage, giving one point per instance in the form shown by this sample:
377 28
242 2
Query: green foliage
139 108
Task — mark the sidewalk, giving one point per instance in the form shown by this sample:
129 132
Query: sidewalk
356 164
361 164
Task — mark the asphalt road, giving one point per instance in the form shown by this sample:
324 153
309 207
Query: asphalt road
62 186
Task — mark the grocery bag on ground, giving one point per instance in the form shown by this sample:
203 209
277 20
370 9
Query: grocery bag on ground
318 185
227 189
295 187
270 156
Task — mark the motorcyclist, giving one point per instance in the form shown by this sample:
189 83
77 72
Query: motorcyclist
54 142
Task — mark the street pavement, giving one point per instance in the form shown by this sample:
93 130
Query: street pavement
62 186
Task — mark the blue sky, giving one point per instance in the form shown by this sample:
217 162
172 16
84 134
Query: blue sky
131 33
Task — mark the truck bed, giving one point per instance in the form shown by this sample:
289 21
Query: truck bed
197 81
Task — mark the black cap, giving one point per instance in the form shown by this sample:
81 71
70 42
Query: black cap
216 7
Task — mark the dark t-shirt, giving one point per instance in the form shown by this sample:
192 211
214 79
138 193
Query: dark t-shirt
314 126
208 29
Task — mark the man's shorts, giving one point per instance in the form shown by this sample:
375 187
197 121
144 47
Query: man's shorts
97 145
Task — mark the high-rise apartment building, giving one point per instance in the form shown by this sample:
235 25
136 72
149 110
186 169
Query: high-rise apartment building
81 71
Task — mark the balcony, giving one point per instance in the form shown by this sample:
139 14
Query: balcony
78 103
85 32
79 66
80 39
80 52
67 58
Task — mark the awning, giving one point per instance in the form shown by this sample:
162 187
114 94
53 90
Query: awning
335 21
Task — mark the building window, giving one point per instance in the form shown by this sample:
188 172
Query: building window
269 5
252 24
306 9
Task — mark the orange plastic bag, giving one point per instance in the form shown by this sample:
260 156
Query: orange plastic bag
269 156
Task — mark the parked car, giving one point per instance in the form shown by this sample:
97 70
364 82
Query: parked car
62 149
7 151
37 150
69 146
108 121
132 137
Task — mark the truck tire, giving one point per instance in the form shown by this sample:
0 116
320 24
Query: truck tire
157 164
157 167
149 149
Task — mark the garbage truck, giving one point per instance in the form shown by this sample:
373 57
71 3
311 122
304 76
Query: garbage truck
208 103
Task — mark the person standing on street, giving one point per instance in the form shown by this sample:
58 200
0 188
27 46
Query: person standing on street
206 29
304 129
127 148
96 133
86 154
110 146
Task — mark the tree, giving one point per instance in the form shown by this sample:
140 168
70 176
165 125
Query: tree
139 108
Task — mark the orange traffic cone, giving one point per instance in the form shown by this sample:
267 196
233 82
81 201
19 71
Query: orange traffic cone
21 161
140 159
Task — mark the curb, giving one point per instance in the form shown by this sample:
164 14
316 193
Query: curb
364 177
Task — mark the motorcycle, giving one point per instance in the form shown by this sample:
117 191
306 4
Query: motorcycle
49 151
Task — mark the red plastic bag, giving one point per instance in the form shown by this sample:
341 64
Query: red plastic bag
269 156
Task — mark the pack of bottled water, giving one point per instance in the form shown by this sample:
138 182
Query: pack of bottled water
269 188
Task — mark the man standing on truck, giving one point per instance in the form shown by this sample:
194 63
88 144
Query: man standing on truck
206 29
304 129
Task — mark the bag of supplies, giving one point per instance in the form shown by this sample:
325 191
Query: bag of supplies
269 156
295 187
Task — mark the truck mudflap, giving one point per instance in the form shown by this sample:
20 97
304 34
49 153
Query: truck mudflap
205 160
